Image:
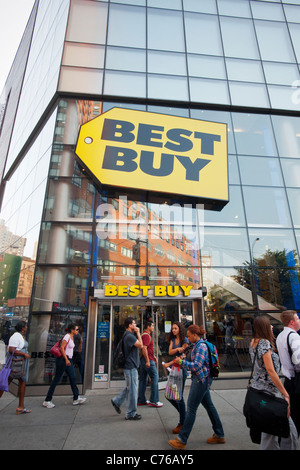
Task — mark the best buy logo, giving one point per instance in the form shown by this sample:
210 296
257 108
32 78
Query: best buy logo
156 152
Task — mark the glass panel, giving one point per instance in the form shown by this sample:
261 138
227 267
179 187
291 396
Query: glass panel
278 289
167 87
209 6
274 43
244 70
209 91
249 94
69 199
65 243
273 247
267 11
161 27
87 22
260 171
273 208
61 289
120 58
102 343
254 134
291 171
224 246
45 331
234 8
294 200
171 4
166 62
125 84
232 214
81 80
232 29
205 66
294 30
83 55
126 26
281 74
287 135
282 97
120 313
203 34
292 13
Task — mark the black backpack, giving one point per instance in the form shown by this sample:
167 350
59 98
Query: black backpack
119 355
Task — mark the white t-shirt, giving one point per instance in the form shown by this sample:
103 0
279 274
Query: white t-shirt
70 346
16 341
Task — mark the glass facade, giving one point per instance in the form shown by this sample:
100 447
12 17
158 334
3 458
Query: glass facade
63 234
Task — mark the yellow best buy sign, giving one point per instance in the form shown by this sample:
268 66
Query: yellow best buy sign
157 152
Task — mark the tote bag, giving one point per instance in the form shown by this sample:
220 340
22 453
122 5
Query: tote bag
5 373
174 384
55 350
264 412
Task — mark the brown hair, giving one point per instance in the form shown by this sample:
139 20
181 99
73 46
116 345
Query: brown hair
182 334
262 329
196 330
287 316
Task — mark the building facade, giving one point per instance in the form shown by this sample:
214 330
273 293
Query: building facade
222 61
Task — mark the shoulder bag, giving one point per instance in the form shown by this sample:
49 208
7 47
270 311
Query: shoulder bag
264 412
55 350
5 373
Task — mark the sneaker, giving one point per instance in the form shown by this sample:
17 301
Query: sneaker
177 444
48 404
79 401
216 440
136 417
116 407
147 402
156 405
177 429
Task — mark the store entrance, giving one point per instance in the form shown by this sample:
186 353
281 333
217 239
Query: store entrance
110 328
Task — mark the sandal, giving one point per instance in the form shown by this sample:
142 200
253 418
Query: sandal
22 412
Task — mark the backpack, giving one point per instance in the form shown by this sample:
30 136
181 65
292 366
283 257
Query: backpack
214 364
119 355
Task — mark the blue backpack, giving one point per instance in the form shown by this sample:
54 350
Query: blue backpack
214 364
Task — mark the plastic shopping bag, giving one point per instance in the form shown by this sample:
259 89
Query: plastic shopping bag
174 384
5 373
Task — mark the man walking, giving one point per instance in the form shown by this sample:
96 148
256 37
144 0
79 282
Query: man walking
148 368
132 344
288 346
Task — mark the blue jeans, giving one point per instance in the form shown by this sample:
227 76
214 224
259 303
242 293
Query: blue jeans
61 367
199 393
129 392
180 405
144 372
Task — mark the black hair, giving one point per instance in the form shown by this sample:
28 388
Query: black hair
128 322
20 325
71 327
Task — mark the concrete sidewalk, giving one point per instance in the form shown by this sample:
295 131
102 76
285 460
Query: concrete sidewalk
96 425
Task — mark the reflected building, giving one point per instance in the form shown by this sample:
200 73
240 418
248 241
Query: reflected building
78 60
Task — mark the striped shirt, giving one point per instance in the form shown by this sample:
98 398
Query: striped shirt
199 364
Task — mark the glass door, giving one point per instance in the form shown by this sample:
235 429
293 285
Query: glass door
101 366
164 314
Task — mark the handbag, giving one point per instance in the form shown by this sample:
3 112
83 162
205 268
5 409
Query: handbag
55 350
18 367
5 373
264 412
174 384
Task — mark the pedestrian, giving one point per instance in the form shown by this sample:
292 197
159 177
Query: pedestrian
178 342
266 377
199 390
18 346
64 363
132 343
290 364
148 368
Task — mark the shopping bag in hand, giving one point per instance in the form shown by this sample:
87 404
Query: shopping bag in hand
174 384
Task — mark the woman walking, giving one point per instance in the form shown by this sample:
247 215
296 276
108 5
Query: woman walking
265 377
65 364
178 342
18 346
199 391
